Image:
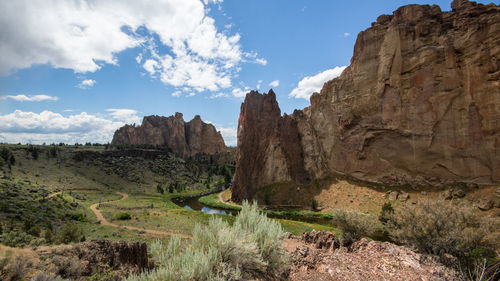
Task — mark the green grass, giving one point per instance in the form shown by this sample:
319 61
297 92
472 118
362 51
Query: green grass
212 200
298 227
308 214
87 182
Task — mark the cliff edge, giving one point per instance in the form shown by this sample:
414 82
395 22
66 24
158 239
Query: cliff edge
419 105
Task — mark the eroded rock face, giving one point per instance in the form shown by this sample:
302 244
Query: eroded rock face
185 139
419 105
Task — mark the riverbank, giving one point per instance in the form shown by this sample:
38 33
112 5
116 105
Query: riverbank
214 201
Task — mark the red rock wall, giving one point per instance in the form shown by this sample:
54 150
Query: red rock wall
419 105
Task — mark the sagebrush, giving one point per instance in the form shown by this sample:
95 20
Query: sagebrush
249 249
440 228
354 226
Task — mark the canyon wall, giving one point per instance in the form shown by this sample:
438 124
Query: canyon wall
184 139
419 105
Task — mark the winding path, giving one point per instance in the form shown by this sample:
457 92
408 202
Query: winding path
227 203
104 221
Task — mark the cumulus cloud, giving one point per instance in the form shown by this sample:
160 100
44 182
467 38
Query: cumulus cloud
240 93
176 94
33 98
129 116
230 135
274 83
180 43
87 83
47 126
311 84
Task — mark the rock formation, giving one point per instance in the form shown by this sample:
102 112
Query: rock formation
419 105
185 139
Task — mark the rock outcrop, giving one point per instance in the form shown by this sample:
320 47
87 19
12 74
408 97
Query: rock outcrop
318 256
185 139
419 105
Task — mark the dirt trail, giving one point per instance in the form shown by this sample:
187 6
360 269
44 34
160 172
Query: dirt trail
227 203
104 221
53 194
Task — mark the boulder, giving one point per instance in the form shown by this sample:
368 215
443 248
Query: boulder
393 195
404 196
447 194
485 204
458 193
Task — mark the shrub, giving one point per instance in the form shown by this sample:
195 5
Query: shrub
16 239
5 259
354 226
387 211
123 216
250 249
49 235
45 277
159 188
79 217
68 267
439 228
34 231
70 233
314 204
16 270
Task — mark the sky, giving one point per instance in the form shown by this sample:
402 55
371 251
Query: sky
75 71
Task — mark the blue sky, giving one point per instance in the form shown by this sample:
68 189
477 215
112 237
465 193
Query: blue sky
74 71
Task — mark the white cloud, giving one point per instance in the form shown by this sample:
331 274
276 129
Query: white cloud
85 84
347 34
240 93
138 59
261 61
258 84
274 83
48 126
229 135
150 66
129 116
191 94
311 84
212 1
176 94
85 35
34 98
218 95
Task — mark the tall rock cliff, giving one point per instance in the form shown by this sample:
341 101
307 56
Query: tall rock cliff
419 105
185 139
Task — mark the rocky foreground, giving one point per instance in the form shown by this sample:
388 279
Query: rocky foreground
318 256
314 256
419 106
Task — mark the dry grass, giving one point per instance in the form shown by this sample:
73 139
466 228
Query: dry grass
441 228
